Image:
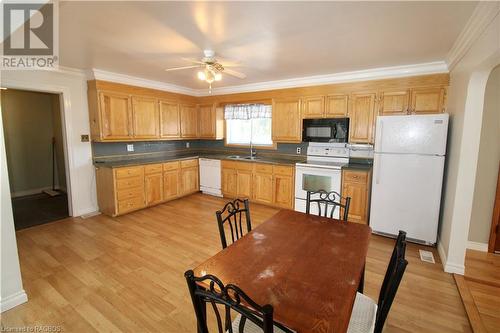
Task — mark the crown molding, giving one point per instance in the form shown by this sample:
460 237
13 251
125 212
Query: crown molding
481 17
140 82
362 75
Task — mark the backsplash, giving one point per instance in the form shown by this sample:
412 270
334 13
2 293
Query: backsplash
110 149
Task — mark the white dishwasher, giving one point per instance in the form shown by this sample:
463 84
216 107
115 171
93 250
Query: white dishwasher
210 177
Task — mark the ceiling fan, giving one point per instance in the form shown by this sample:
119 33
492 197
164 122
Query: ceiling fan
210 69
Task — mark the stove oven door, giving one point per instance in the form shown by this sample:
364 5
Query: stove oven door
315 179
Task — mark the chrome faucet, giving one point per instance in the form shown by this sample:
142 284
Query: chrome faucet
253 151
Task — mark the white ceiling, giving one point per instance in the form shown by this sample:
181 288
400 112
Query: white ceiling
271 40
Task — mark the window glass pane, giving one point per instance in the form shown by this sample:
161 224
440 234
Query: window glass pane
255 131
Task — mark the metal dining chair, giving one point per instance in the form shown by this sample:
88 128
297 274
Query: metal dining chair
327 203
251 317
232 215
369 316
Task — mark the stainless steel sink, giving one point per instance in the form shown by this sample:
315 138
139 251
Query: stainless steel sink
246 158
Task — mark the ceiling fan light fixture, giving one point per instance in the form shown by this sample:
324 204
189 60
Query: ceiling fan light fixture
202 76
218 76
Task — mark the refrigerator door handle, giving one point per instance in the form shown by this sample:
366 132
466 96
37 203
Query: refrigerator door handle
377 162
381 126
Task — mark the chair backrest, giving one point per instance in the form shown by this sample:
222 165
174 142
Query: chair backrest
209 289
392 279
232 215
325 201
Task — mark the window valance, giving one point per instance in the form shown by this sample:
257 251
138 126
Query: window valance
247 111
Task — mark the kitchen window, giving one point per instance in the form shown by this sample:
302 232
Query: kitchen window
248 124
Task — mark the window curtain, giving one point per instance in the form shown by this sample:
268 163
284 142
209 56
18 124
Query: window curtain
247 111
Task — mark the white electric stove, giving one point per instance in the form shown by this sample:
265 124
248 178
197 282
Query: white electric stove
321 171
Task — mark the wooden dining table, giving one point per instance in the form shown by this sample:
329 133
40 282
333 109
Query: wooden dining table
307 267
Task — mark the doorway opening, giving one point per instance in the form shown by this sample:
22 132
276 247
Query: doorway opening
35 156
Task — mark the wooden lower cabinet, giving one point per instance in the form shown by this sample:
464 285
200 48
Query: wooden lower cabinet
153 186
263 183
126 189
190 182
356 185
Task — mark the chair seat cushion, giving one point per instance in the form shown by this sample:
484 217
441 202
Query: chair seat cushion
250 327
364 313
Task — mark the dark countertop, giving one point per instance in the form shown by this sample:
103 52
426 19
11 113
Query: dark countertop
162 159
358 166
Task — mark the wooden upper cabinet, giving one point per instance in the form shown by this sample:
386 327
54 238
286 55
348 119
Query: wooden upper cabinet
427 100
189 121
394 103
170 120
336 105
206 121
115 114
145 117
313 107
362 117
287 122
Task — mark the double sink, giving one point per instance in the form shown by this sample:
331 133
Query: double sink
243 158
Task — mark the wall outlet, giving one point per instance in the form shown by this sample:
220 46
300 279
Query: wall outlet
299 150
130 147
187 144
85 138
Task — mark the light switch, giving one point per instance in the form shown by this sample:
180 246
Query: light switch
130 147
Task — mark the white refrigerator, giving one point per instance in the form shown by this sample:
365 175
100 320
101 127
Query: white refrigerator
408 165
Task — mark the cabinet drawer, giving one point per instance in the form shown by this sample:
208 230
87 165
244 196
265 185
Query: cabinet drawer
153 168
283 170
189 163
130 204
129 193
129 172
170 166
244 166
229 164
129 182
263 168
355 176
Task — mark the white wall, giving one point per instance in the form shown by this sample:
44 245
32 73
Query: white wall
11 286
465 105
73 86
487 167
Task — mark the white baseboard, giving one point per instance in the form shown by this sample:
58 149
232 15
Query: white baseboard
477 246
449 267
14 300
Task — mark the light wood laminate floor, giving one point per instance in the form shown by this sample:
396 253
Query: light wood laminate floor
125 274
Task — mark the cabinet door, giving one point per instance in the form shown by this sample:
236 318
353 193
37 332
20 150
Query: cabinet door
263 188
427 100
206 121
153 185
115 113
244 183
145 117
362 117
283 191
359 196
171 184
229 182
336 105
313 107
170 120
189 121
394 103
287 122
189 180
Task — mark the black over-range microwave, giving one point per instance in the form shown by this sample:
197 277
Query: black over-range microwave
325 130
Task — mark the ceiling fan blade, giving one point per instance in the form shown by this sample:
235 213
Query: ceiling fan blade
194 61
179 68
234 73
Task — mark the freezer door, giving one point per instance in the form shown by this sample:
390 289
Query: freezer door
406 195
415 134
